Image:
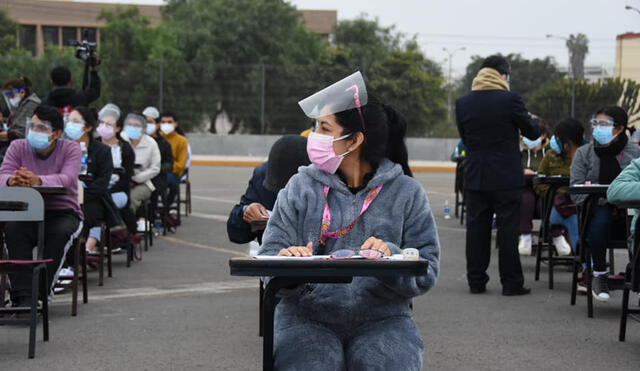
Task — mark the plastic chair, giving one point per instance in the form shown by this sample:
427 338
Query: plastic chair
26 205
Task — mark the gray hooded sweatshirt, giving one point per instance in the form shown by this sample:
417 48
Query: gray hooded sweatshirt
400 216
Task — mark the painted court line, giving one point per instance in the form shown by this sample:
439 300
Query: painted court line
215 199
201 246
148 292
220 218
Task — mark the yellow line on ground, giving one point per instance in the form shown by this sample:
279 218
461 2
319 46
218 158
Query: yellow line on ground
230 163
200 246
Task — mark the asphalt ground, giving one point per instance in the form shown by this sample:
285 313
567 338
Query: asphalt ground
179 309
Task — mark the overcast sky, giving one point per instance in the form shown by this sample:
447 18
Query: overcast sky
490 26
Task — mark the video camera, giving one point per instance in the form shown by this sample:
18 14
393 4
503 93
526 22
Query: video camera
86 51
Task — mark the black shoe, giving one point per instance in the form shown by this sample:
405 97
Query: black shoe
477 289
515 292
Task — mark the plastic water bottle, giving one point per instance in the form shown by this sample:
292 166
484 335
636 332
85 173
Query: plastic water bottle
85 159
447 210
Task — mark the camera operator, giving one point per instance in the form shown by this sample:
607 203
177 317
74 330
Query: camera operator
64 97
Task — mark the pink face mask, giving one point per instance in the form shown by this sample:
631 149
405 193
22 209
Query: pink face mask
321 153
105 131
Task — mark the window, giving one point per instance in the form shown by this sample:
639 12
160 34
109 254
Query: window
51 35
69 35
28 38
89 34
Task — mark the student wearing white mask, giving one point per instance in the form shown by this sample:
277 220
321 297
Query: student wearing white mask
22 102
152 115
172 132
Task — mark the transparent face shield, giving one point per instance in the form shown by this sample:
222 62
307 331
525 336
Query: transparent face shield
346 94
135 121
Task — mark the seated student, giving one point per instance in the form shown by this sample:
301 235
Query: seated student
360 176
80 127
532 153
286 156
147 164
43 158
22 101
600 162
568 136
152 116
172 132
123 157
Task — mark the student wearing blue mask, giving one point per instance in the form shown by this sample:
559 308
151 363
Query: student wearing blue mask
600 162
568 136
532 153
80 126
147 163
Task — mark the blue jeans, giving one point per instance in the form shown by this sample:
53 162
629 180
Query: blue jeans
393 343
598 236
570 223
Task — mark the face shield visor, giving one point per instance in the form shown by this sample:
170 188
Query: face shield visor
344 95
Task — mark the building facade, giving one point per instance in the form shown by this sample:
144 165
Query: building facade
58 22
628 56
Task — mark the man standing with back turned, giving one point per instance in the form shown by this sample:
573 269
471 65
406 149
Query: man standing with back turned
490 120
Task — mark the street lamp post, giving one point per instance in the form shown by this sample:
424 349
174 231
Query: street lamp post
449 93
629 7
571 73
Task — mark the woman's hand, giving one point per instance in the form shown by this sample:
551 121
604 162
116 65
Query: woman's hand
376 244
298 250
530 172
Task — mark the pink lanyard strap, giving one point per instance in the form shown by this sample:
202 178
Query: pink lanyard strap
342 232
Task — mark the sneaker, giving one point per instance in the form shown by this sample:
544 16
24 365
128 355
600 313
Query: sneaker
562 246
92 252
117 250
66 272
524 245
582 288
600 288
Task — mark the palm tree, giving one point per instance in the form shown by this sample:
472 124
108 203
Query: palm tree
578 46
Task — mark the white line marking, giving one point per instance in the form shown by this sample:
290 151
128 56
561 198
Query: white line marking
201 246
191 289
217 217
215 199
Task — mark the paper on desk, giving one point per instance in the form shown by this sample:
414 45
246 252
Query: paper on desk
320 257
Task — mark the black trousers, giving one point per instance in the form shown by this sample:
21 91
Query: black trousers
481 205
60 227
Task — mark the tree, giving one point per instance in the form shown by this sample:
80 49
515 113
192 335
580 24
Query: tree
553 101
130 80
578 46
527 75
241 51
404 80
8 30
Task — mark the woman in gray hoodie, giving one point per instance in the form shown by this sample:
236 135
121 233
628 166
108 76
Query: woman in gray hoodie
358 194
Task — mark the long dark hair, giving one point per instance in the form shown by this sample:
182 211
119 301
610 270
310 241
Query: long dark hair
88 115
619 116
384 132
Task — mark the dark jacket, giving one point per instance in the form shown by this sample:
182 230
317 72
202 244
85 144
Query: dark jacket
62 97
100 168
166 162
126 172
18 120
238 230
490 123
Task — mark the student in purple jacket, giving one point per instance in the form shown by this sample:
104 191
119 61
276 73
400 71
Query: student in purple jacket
43 158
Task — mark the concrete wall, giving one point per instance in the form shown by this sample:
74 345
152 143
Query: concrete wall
423 149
